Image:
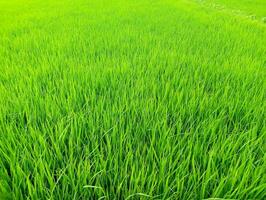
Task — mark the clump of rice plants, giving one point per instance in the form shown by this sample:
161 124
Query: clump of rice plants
132 99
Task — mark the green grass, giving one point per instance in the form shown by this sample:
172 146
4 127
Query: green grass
256 8
152 99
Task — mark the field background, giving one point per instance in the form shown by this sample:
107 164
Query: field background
255 8
151 99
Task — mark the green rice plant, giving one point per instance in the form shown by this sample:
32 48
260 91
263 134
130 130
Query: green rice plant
161 99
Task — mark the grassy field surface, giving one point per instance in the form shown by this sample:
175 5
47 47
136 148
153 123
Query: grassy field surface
151 99
256 8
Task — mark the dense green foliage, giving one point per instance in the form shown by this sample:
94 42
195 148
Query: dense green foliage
134 99
255 8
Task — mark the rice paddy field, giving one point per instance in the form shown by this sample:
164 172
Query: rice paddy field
132 99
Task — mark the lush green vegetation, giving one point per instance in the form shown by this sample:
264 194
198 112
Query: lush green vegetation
132 99
254 8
